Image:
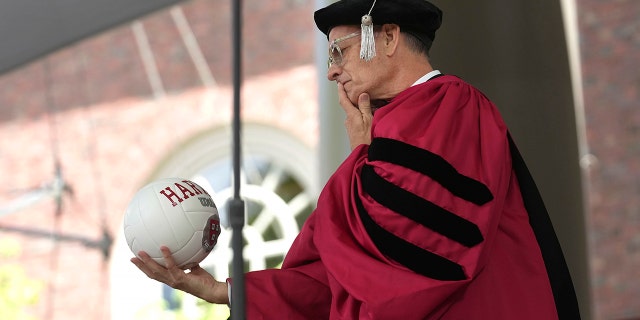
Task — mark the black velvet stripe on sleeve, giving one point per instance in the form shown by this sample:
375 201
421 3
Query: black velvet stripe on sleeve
432 165
419 209
415 258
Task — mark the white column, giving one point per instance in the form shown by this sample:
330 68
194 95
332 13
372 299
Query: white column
333 145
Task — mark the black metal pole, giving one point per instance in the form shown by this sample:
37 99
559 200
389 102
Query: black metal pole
236 207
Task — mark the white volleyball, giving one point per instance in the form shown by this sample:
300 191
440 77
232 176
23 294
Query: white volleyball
172 212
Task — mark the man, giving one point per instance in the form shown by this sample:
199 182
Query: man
432 216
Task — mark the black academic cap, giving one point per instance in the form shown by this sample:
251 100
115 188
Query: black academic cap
417 17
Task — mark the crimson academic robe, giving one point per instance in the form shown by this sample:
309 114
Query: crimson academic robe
427 222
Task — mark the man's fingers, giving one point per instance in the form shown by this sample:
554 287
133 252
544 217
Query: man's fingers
147 265
344 101
364 104
144 260
168 258
141 265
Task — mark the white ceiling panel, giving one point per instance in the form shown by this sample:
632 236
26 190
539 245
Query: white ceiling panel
30 29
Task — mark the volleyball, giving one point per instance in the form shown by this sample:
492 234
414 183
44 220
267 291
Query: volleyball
176 213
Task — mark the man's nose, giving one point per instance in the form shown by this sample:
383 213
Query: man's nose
333 72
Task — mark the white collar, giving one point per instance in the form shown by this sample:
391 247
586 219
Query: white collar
426 77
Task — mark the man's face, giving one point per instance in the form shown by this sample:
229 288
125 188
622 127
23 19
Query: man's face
357 76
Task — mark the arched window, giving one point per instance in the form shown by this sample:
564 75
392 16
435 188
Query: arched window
278 179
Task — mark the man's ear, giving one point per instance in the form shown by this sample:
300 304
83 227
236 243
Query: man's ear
391 36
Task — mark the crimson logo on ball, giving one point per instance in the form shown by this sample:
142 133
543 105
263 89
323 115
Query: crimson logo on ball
211 233
170 194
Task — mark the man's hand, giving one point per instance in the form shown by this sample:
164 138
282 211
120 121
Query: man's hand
197 281
358 121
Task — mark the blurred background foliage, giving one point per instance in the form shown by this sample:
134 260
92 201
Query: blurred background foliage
17 289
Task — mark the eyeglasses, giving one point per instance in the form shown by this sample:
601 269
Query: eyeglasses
335 52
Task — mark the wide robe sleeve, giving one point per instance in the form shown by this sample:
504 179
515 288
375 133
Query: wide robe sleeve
407 224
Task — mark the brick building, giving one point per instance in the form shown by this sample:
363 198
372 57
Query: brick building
145 100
